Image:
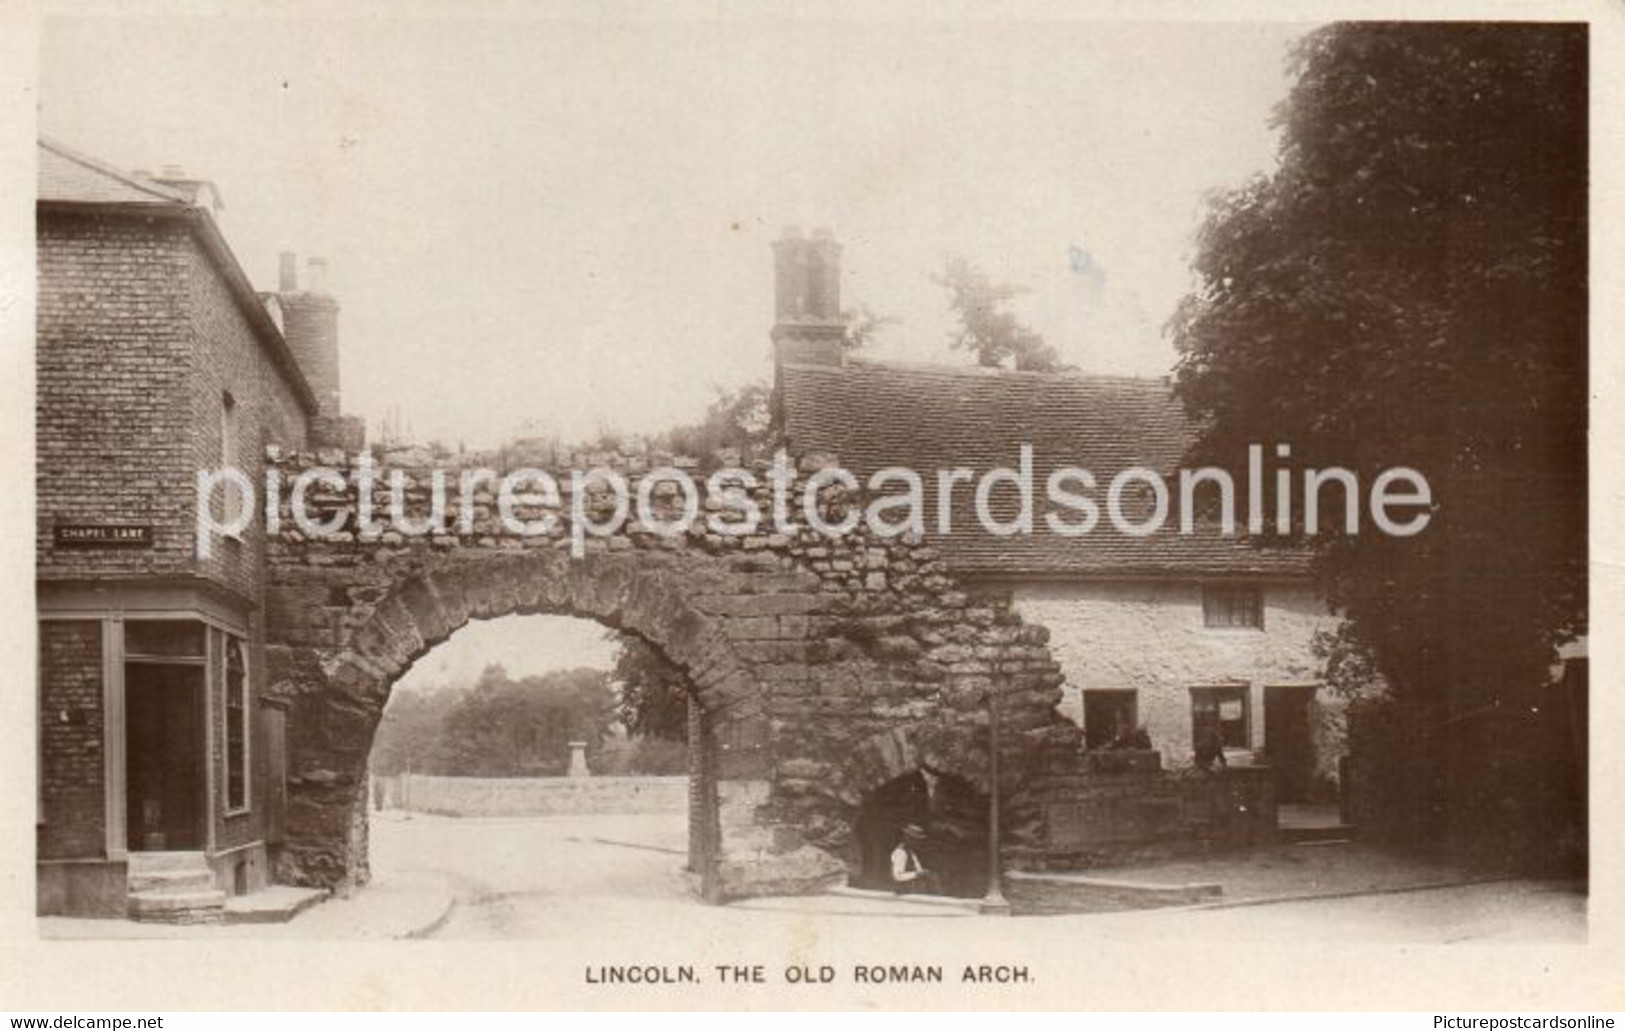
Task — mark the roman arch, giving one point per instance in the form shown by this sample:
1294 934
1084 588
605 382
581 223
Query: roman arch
821 666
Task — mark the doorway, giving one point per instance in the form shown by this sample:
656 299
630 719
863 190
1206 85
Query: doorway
1289 740
951 819
164 757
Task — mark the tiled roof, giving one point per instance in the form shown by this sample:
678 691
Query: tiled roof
871 414
69 176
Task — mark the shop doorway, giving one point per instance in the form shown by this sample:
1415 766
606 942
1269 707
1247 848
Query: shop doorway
164 757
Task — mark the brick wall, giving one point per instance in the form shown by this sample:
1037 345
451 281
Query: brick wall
73 781
112 361
140 340
228 357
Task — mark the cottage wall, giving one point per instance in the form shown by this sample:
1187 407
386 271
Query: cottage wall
1149 637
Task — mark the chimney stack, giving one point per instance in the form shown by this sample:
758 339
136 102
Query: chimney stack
317 278
310 325
808 327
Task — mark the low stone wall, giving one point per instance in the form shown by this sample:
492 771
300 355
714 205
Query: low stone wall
1119 807
537 796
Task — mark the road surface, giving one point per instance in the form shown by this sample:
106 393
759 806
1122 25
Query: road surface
609 879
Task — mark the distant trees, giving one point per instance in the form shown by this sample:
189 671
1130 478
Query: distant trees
987 326
740 418
499 727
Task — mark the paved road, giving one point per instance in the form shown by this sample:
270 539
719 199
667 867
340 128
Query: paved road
618 876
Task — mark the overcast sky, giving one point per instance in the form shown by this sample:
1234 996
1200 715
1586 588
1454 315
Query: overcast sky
567 225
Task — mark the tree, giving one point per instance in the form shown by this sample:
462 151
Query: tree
653 693
1408 287
497 727
740 419
863 326
986 325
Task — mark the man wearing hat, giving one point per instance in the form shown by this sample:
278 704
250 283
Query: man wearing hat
908 874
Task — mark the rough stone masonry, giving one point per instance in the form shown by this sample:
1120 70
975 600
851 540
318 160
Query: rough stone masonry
822 666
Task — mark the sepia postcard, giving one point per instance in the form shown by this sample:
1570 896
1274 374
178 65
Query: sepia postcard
557 506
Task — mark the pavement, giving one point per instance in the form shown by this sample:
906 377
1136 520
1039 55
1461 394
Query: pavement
543 877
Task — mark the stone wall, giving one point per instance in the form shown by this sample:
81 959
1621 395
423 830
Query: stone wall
1106 810
537 796
825 666
1149 637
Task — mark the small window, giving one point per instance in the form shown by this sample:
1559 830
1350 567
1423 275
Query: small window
1108 716
1231 606
1224 709
236 727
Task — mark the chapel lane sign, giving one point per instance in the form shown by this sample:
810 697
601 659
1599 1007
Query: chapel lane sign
98 535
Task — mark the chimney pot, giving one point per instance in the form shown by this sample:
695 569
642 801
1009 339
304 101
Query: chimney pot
288 272
316 272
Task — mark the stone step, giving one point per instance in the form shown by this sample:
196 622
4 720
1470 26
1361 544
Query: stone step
1315 835
274 904
170 881
149 862
189 907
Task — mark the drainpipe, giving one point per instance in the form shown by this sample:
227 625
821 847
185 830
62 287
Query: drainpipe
994 902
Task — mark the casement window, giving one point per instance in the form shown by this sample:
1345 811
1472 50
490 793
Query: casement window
236 712
1232 606
1108 715
1227 707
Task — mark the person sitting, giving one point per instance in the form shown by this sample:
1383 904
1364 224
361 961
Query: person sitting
1137 739
908 873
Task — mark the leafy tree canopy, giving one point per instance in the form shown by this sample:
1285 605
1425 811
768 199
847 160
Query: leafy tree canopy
1408 288
987 326
653 693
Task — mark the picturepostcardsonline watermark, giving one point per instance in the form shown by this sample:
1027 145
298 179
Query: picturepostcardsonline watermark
552 238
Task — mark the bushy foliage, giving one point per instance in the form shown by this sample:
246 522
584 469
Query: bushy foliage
986 325
653 693
1408 287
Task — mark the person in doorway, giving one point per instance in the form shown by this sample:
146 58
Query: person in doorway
908 872
1209 747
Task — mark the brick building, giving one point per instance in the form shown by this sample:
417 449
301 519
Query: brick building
159 763
1165 631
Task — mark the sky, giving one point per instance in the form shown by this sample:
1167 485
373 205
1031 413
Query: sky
541 226
524 645
548 227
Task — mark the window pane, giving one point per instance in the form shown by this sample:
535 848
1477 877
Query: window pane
1232 607
236 726
169 638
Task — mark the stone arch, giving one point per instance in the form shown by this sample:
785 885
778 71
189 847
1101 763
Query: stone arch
336 695
818 662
